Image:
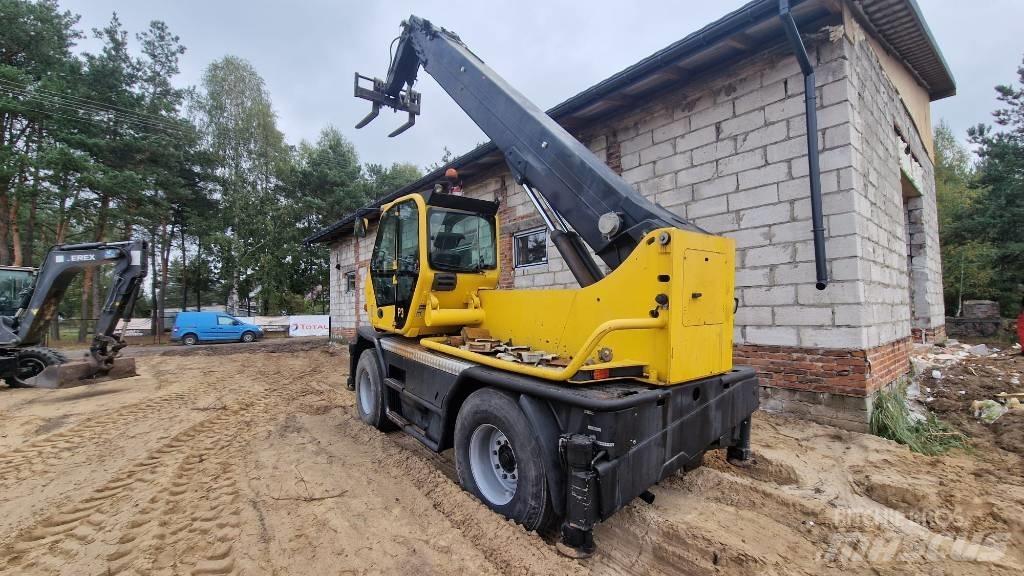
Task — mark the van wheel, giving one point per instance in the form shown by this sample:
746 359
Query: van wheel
189 340
497 457
370 398
248 337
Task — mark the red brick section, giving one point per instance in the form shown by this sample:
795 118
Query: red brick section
842 371
928 335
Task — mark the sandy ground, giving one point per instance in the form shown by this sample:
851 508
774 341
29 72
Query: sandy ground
254 463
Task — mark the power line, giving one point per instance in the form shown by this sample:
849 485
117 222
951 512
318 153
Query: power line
89 102
75 118
54 101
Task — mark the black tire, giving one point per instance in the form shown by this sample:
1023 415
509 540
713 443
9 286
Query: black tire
483 412
248 337
190 340
370 399
32 361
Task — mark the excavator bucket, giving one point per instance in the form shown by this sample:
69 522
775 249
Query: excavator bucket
80 373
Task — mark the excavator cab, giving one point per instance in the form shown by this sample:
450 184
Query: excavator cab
432 252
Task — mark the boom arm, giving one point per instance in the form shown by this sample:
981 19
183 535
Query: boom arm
61 265
586 197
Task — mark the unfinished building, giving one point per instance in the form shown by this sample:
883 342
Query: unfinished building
712 128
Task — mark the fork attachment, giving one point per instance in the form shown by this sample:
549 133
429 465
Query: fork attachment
407 100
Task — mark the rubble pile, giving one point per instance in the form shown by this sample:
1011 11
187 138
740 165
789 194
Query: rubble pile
977 388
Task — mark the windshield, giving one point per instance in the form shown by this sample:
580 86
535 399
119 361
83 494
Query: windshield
461 241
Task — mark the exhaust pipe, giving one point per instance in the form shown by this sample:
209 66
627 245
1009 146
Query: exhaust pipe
814 167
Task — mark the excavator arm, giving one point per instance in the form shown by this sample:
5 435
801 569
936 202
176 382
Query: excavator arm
61 265
580 197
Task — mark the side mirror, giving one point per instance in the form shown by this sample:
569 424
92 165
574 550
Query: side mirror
361 226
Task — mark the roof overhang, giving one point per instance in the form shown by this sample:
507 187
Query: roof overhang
751 29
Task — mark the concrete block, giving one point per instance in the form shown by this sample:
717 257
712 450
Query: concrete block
834 115
754 316
641 172
750 237
751 277
714 151
836 293
787 149
629 161
784 109
853 315
845 269
707 207
743 123
740 162
765 95
673 163
791 231
772 335
762 136
696 138
834 337
766 255
836 158
765 215
796 188
695 174
636 143
716 187
803 316
659 184
764 175
838 91
769 296
754 197
675 196
657 152
718 224
799 273
711 115
672 130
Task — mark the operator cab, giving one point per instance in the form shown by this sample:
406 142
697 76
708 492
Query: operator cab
427 244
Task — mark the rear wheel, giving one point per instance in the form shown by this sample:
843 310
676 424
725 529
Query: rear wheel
248 337
190 340
370 398
31 363
498 458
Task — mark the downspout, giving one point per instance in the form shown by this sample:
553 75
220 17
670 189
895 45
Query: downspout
814 167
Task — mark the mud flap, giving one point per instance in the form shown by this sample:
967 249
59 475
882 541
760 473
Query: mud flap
72 374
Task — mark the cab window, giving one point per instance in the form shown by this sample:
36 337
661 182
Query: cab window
225 321
461 241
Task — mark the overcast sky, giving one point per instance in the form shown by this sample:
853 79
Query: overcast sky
307 52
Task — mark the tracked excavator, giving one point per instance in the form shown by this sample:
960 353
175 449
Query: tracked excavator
23 362
562 406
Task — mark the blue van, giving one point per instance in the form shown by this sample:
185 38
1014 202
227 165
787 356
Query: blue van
193 327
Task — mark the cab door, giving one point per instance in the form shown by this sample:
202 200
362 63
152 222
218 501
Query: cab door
395 264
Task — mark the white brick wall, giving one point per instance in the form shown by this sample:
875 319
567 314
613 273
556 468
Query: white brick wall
730 153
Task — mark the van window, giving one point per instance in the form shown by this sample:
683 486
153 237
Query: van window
225 321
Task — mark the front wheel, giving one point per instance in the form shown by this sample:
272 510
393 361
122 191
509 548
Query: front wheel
189 340
498 458
248 337
31 363
370 396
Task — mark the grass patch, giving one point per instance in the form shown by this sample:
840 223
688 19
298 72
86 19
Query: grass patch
890 418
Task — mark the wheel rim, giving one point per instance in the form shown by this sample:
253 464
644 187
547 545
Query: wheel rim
189 340
493 464
30 367
247 337
365 393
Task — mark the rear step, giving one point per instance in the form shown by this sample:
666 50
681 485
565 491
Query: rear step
410 428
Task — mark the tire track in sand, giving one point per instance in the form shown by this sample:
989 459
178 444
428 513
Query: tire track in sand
185 497
41 457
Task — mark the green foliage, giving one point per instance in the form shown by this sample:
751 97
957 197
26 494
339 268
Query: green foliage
981 207
890 418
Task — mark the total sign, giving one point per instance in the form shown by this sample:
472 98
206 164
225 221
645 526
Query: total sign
309 325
